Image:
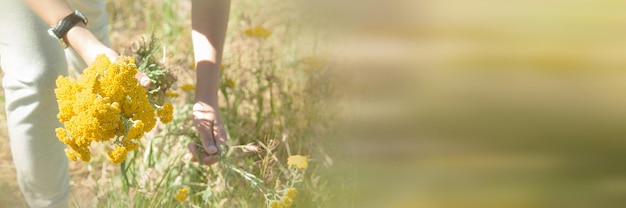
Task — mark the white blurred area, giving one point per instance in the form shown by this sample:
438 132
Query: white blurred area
452 103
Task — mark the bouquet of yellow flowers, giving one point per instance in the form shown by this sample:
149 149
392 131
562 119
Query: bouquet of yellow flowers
105 103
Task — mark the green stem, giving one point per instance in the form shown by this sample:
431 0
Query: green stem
124 176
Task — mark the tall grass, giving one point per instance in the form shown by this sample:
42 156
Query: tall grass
272 99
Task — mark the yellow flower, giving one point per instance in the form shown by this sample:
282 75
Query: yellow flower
118 155
275 204
181 196
171 94
135 131
258 31
298 161
286 202
230 83
291 193
188 87
70 154
165 113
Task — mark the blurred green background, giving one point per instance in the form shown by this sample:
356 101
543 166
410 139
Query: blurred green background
487 103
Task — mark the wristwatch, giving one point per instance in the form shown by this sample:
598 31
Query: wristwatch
60 30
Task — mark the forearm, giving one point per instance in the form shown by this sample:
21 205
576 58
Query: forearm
51 11
78 37
209 22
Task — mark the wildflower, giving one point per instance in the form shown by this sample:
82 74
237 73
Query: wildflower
275 204
286 202
188 87
135 131
181 196
165 113
258 31
291 193
297 161
171 94
230 83
118 155
70 154
104 102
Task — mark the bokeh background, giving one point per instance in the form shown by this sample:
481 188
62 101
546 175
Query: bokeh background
488 103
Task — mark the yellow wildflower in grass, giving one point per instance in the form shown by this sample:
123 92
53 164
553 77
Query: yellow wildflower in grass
165 113
188 87
230 83
291 193
275 204
258 31
297 161
171 94
286 202
181 196
103 103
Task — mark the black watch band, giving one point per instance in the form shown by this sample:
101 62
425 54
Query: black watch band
60 30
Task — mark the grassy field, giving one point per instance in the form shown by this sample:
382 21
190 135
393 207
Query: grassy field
271 98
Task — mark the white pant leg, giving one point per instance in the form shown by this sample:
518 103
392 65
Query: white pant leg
31 61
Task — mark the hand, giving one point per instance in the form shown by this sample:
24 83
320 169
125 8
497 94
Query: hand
208 123
89 47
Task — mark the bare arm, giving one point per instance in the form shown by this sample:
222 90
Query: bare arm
209 22
79 37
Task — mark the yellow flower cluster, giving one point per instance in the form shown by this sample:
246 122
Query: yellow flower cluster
103 103
181 196
298 161
287 199
165 113
258 31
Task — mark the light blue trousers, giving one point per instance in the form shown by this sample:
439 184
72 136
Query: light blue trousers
31 61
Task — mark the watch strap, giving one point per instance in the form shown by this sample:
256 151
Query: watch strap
61 29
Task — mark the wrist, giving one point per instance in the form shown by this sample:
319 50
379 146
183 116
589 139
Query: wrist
205 106
60 30
86 44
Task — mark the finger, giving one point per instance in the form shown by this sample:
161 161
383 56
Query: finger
144 80
199 153
217 138
205 129
193 149
209 159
